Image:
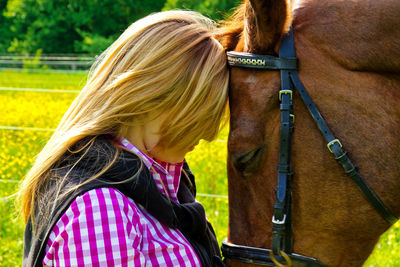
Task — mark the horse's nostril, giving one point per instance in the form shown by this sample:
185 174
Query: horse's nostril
248 162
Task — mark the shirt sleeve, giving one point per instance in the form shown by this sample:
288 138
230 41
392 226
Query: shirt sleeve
100 228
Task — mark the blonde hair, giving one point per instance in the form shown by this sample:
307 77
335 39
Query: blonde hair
167 62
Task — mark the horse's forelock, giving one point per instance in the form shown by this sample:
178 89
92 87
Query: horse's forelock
231 30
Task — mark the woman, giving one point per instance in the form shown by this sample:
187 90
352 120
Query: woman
111 187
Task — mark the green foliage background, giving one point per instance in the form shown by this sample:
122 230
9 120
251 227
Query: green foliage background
82 26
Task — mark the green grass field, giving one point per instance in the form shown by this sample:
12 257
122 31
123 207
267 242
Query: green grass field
44 110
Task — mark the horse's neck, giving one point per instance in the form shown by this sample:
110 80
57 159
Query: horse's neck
359 35
346 50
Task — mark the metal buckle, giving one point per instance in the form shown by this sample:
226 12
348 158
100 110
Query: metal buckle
331 143
292 116
275 221
282 92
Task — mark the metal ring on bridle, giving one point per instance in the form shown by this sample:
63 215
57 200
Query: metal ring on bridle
284 255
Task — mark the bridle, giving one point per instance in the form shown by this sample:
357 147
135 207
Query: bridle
281 252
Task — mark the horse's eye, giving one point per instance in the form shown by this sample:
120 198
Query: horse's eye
248 162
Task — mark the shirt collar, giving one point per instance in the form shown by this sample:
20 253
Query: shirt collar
166 175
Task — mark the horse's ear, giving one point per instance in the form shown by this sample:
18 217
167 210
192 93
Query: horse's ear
265 23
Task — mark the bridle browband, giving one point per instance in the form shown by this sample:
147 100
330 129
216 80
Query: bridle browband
282 239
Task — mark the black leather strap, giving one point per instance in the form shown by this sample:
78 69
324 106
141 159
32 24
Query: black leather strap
248 60
282 223
262 256
341 156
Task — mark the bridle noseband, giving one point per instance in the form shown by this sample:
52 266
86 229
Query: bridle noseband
282 239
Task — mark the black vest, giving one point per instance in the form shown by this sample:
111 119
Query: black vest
188 217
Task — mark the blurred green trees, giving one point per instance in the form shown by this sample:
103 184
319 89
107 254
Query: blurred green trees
5 24
215 9
82 26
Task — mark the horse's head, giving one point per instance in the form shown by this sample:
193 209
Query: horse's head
349 84
254 93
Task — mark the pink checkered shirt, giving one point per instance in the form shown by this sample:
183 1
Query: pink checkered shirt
103 227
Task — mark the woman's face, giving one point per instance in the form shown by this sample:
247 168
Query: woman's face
147 137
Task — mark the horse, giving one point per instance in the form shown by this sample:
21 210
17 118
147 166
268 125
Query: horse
348 56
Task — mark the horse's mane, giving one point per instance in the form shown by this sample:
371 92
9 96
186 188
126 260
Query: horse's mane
230 30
